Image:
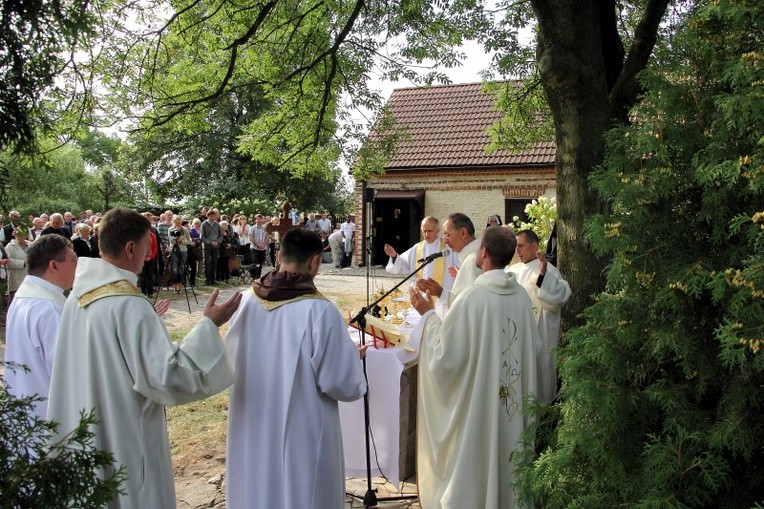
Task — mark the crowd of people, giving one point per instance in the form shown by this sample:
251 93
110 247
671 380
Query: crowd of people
92 341
211 244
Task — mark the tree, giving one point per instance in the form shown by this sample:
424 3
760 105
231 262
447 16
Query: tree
35 36
662 384
590 82
198 156
100 154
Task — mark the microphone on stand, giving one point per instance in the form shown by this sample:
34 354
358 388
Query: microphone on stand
433 256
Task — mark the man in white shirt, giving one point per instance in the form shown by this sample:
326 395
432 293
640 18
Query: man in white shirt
548 292
348 232
34 317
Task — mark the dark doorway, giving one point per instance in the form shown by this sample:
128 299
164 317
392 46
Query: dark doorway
516 207
396 216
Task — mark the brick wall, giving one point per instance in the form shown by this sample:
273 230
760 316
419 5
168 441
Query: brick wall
475 192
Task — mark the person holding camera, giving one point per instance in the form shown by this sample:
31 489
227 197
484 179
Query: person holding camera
180 239
226 251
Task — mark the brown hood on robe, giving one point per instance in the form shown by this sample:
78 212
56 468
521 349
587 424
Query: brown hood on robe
278 286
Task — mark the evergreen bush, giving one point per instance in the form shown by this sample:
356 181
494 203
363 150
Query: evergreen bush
37 473
663 385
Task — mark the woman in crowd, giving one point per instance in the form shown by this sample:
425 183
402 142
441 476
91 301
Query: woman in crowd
225 253
241 233
494 220
16 250
85 245
180 239
195 261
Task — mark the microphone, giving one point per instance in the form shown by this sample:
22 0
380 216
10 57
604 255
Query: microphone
433 256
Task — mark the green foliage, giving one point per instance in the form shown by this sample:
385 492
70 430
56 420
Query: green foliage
662 384
527 118
542 214
36 473
34 34
60 178
379 148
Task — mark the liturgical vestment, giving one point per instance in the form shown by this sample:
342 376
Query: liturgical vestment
31 332
294 361
114 355
547 302
475 368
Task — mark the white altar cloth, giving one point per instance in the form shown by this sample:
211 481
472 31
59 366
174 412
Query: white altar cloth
383 370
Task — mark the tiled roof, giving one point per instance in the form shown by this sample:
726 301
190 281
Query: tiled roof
447 127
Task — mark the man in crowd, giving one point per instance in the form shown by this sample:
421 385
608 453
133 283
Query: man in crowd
294 360
57 227
325 223
335 244
475 369
34 316
548 292
430 245
211 238
14 220
114 356
312 223
70 222
459 236
348 233
258 242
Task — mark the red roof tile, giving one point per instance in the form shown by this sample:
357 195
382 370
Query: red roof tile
447 126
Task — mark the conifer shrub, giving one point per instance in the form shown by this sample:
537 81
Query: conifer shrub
35 472
663 386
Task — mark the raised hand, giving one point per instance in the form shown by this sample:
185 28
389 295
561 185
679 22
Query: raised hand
221 313
422 303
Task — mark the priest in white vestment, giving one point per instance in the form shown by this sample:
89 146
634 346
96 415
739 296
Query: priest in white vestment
34 316
459 236
548 292
114 355
431 244
475 369
294 360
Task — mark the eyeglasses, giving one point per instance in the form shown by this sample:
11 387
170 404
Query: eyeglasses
448 234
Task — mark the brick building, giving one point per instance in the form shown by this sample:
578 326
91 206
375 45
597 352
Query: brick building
442 166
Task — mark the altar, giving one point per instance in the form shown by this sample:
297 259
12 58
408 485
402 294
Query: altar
392 376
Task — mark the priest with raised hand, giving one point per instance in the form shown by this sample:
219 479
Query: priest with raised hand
476 368
114 356
548 292
405 263
294 360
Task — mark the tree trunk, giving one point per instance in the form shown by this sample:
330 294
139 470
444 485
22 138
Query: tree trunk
589 86
573 75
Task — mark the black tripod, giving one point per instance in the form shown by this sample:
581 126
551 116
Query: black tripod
176 258
370 499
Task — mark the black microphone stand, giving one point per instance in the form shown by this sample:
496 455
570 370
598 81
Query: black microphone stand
370 498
